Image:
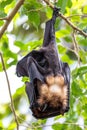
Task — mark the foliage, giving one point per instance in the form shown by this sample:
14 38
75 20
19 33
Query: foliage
26 30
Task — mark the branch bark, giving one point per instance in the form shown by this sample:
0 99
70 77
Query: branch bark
10 16
9 89
64 18
5 18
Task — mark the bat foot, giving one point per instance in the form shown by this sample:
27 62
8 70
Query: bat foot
44 108
40 107
56 11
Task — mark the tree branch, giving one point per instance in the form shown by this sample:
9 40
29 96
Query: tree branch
10 16
64 18
9 89
5 18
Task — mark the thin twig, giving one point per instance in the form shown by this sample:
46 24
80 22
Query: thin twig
10 16
23 120
76 46
68 21
69 49
9 89
80 15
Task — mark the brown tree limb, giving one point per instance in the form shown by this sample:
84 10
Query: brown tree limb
9 89
10 16
68 21
5 18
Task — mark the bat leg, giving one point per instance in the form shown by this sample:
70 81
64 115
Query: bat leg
49 29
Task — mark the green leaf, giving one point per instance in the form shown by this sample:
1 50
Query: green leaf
62 33
84 100
85 108
34 44
83 42
2 14
75 18
21 45
24 79
1 23
12 126
32 9
1 125
63 4
48 12
61 49
83 56
57 117
79 71
3 3
57 126
34 18
9 53
76 91
85 9
19 92
65 58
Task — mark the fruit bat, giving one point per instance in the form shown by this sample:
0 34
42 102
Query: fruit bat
49 88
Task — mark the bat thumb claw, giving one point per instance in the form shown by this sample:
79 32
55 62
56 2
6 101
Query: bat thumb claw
44 108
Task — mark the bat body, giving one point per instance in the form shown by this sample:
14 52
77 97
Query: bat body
48 90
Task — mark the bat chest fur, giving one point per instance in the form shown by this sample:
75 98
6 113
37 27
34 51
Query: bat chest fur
55 89
54 92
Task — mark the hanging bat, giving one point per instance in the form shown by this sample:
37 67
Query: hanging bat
49 86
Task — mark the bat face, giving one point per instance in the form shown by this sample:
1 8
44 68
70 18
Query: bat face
54 92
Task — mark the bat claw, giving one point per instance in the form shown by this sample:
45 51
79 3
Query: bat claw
56 11
44 108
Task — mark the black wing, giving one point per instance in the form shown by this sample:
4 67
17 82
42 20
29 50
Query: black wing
66 71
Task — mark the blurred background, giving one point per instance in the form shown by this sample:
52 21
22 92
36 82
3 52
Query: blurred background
25 33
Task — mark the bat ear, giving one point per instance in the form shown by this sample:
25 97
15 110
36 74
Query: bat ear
20 71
